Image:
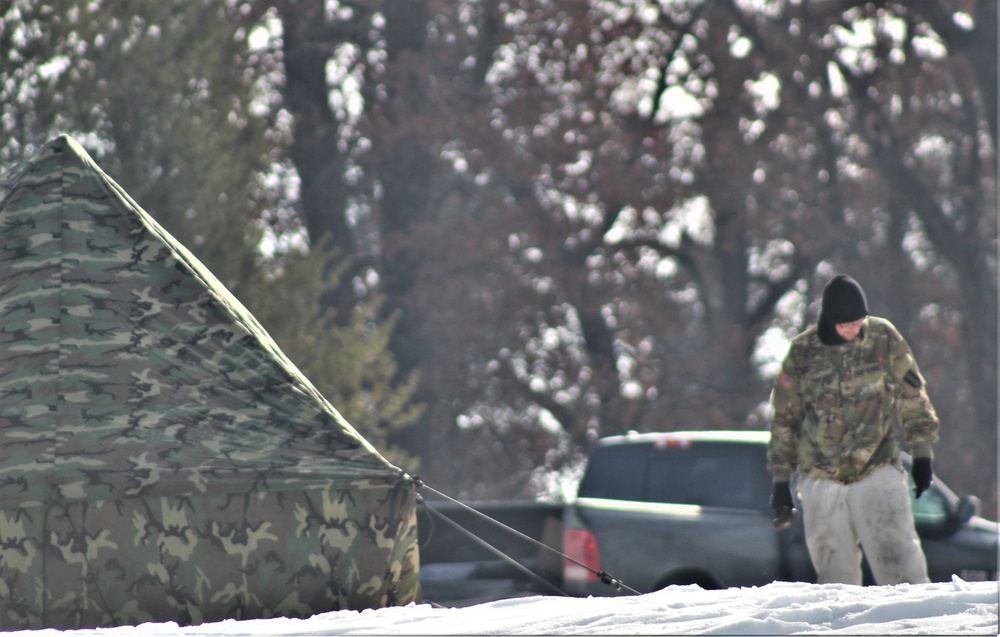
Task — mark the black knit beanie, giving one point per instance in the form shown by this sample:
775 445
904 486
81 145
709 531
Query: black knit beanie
843 302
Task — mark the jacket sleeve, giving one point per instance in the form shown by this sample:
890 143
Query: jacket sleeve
913 405
789 410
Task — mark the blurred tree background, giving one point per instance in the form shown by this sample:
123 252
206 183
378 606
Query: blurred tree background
491 231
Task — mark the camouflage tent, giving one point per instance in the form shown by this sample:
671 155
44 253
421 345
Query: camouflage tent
160 458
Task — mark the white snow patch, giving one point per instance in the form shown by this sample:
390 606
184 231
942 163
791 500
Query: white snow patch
780 608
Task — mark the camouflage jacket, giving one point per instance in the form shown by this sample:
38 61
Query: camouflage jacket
835 406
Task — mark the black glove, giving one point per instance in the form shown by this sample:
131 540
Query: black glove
922 474
781 498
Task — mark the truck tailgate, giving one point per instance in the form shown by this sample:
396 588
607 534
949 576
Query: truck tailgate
662 544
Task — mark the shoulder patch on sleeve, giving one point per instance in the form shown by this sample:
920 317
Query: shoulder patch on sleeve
785 380
912 379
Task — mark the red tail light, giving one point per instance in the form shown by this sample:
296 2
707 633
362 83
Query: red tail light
582 547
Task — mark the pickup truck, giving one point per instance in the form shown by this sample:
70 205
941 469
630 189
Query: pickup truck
660 509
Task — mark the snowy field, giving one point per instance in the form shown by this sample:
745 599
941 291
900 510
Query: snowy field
781 608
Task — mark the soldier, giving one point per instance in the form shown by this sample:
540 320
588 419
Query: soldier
842 386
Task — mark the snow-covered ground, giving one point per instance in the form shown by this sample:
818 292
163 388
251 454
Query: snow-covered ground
781 608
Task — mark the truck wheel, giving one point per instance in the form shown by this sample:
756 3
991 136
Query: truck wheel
687 578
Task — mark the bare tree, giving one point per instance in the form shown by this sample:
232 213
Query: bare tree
602 216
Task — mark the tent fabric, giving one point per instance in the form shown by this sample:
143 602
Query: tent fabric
160 458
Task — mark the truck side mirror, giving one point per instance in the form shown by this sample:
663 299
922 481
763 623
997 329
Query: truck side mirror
968 507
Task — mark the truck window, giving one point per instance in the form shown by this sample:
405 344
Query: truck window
614 472
723 474
715 478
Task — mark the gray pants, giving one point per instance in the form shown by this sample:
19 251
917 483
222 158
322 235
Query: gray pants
874 512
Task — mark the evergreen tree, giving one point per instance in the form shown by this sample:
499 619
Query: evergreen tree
176 101
349 361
